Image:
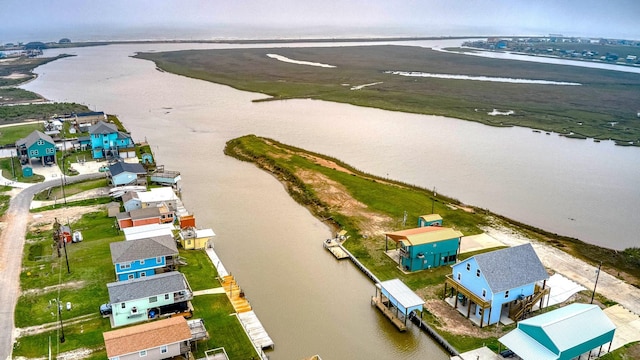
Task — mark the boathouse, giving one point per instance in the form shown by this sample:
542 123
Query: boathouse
396 301
425 247
562 334
511 280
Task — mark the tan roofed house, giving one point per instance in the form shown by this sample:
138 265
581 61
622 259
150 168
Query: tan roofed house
154 340
425 247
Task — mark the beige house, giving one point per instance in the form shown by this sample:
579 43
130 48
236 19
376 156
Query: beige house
155 340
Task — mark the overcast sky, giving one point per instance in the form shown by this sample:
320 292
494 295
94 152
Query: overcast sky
595 18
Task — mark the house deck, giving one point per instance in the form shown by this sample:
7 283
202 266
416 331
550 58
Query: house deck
464 310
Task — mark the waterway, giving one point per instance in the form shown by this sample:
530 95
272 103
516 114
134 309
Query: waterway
309 302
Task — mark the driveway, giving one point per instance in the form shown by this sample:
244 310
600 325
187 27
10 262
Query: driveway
12 241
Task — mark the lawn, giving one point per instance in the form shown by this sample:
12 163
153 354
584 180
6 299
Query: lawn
588 110
199 270
70 189
8 171
11 134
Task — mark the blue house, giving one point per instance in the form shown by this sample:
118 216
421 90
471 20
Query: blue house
122 173
36 145
562 334
484 286
425 247
134 259
430 220
107 141
137 300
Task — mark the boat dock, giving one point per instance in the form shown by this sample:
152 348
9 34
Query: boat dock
335 247
388 313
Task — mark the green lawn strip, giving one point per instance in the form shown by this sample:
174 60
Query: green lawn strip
70 189
627 352
199 270
83 334
579 111
11 134
8 171
224 329
89 262
12 94
87 202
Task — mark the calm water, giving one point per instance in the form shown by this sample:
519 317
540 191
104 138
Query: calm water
309 302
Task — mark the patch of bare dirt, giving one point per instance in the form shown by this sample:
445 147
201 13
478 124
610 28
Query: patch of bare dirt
43 221
68 285
338 199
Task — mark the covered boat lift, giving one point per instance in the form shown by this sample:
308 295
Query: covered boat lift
397 302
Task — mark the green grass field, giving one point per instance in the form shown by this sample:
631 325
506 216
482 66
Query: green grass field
588 110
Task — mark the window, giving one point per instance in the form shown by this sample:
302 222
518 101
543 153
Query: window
459 276
163 349
123 305
143 353
33 152
40 142
478 273
125 266
143 274
468 267
51 150
159 260
166 296
506 294
142 262
484 293
134 310
153 299
131 276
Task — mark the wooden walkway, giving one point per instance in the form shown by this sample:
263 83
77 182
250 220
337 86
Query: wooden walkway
255 330
388 313
235 294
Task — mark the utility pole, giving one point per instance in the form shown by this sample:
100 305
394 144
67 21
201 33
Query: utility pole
596 284
62 339
433 200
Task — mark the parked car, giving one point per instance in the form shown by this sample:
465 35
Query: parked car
507 353
103 168
105 309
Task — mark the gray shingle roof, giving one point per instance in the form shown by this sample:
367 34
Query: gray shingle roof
103 128
152 247
144 213
510 268
140 288
120 167
33 137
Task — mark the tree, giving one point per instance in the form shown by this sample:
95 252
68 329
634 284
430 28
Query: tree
35 45
64 41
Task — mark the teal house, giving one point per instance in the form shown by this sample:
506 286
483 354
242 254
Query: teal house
36 145
562 334
430 220
425 247
107 142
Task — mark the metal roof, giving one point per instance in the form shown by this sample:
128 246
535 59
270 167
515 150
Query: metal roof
150 247
144 287
401 294
573 330
424 235
431 217
511 267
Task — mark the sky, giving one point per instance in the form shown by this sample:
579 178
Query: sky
46 20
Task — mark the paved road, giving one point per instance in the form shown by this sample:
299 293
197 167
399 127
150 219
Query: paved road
11 247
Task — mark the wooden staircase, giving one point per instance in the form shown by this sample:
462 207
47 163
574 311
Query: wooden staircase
523 308
235 294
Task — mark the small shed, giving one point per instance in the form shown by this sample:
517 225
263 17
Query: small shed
194 239
561 334
397 301
27 170
430 220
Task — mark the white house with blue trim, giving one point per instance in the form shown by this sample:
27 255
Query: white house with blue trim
143 257
137 300
511 280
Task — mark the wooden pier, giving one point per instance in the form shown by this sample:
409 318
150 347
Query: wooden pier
255 330
335 247
388 313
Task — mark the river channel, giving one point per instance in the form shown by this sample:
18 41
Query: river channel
309 302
